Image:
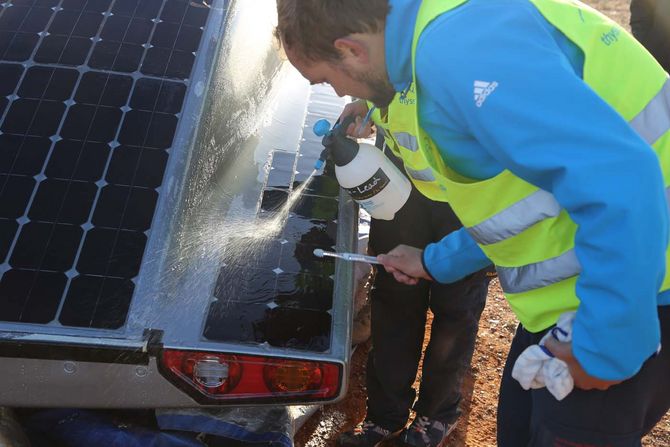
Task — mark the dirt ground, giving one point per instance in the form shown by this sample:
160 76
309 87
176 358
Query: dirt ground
480 388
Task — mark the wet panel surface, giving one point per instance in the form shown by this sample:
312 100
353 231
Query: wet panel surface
83 152
276 291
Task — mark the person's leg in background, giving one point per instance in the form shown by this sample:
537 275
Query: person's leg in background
398 319
456 310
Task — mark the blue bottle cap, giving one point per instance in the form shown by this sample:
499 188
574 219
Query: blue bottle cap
321 127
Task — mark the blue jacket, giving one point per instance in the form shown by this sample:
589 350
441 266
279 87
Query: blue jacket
549 128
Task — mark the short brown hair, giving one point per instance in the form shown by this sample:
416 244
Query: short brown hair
311 26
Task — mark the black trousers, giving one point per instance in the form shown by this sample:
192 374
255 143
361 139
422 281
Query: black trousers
617 417
399 318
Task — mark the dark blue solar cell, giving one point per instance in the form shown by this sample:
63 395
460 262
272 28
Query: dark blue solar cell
36 20
46 246
180 65
156 61
32 117
115 28
76 23
165 35
134 128
273 199
30 296
3 105
78 160
158 95
104 54
63 22
104 89
147 129
147 9
136 166
196 13
9 77
87 5
129 57
15 194
138 31
297 258
284 161
278 178
8 230
188 39
112 55
309 231
235 321
127 29
63 50
174 11
12 18
97 302
125 207
296 329
39 3
91 123
320 208
247 252
303 291
161 130
19 46
51 49
31 152
54 84
63 201
245 284
110 252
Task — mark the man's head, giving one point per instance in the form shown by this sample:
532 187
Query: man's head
340 42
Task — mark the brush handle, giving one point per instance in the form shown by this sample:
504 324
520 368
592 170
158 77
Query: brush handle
353 257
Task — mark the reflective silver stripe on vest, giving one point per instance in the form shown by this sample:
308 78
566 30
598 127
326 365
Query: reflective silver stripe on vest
540 274
407 140
516 218
425 175
654 120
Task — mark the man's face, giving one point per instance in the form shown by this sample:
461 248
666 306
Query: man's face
347 79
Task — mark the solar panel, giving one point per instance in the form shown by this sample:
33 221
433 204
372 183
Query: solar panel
283 294
90 97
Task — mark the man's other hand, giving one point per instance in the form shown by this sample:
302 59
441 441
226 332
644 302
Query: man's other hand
582 379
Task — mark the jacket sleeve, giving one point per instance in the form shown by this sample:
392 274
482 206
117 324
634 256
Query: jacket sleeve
544 124
454 257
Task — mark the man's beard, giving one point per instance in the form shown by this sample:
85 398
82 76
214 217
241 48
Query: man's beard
381 89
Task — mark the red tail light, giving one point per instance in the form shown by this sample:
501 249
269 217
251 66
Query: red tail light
214 377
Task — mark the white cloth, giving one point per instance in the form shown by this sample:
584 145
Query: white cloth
536 368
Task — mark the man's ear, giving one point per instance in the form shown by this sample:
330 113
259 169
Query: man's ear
351 48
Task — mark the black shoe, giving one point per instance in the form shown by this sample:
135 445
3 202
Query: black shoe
366 434
426 432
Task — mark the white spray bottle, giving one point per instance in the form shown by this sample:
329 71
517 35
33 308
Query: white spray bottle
363 171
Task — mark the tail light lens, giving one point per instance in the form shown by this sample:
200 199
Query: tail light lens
214 377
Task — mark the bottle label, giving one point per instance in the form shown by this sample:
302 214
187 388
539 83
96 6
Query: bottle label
371 187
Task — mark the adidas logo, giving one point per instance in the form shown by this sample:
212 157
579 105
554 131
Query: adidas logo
482 91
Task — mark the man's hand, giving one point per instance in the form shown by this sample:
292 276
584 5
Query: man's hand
583 380
404 262
357 108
